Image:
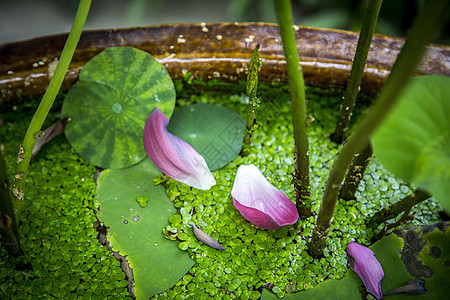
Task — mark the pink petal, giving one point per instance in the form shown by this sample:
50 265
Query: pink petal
366 266
260 202
173 156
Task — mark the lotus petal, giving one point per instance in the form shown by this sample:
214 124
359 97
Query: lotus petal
173 156
259 201
364 263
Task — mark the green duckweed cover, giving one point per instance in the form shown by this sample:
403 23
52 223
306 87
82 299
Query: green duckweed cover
64 259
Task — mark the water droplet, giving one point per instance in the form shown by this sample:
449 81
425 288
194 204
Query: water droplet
117 108
135 218
155 244
157 98
125 221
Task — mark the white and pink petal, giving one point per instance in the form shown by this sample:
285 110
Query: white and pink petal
173 156
260 202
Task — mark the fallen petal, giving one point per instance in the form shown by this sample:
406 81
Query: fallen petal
260 202
48 135
364 263
206 239
173 156
413 287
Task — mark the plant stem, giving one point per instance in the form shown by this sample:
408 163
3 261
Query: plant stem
8 225
39 117
406 205
397 208
355 173
11 242
253 101
406 63
362 49
298 110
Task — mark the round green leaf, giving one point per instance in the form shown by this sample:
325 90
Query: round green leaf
414 142
108 107
213 131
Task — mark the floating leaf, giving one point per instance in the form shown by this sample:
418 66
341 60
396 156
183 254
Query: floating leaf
107 108
436 256
214 131
414 142
345 289
136 231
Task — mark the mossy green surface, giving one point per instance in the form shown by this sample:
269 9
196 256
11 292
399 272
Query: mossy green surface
63 257
276 260
68 262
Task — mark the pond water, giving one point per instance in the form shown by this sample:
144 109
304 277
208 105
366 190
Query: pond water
64 259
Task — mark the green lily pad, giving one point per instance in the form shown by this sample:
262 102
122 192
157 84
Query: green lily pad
345 289
414 142
213 131
136 231
108 106
436 256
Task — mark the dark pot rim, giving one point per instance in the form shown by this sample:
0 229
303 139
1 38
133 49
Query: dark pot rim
208 51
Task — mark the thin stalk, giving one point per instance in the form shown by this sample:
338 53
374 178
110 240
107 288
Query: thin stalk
6 205
405 65
39 117
8 225
362 50
407 205
397 208
298 110
253 101
355 173
11 242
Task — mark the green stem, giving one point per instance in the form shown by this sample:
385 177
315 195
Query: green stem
11 242
405 205
39 117
362 50
8 225
355 173
253 101
6 205
298 110
397 208
405 65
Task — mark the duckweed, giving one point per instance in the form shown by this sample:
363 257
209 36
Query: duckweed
65 260
277 260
